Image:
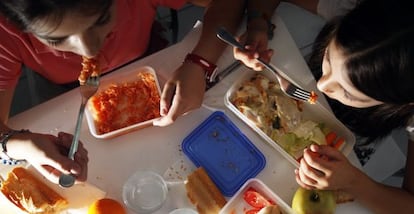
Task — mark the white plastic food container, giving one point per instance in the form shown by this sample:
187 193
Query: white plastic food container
315 112
238 205
79 196
121 77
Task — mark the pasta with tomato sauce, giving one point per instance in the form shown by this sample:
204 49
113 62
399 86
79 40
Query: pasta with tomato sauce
124 104
90 67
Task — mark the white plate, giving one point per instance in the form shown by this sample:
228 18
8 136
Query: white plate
238 205
315 112
79 196
123 77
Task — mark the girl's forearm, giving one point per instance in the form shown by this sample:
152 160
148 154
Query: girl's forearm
227 14
381 198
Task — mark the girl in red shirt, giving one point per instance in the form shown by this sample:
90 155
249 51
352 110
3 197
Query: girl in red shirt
50 36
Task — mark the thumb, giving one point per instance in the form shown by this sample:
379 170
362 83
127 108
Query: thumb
52 171
166 98
64 164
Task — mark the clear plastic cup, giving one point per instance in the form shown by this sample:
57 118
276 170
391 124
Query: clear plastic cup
144 192
183 211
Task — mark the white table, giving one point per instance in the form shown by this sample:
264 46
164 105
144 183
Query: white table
155 148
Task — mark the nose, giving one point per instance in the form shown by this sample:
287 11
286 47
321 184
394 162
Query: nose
86 44
327 84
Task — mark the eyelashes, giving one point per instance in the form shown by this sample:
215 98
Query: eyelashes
103 20
54 43
327 55
348 96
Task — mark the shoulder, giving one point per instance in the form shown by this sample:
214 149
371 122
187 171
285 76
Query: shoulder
410 128
331 8
11 38
175 4
8 27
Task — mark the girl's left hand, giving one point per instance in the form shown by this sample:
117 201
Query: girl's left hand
183 92
324 167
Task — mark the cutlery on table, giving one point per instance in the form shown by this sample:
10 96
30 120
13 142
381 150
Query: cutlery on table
87 90
226 71
287 87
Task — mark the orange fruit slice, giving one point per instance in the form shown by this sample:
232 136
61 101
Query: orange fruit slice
106 206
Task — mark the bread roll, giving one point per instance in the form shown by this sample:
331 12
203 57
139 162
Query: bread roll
203 193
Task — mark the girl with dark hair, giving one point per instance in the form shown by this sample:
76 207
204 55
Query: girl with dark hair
51 36
364 64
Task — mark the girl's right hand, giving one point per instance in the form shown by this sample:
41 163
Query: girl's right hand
48 154
256 42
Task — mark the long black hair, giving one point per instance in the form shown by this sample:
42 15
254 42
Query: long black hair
23 13
377 40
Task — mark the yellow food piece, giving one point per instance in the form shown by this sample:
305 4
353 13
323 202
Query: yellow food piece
31 194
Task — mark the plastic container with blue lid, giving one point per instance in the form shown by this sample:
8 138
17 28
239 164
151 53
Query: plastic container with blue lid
227 155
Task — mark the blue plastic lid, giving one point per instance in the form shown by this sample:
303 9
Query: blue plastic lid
227 155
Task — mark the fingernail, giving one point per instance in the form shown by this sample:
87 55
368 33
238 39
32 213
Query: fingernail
164 111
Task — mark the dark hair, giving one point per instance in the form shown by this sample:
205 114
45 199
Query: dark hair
23 13
377 39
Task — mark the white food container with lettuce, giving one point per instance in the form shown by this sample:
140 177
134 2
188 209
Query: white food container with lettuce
287 125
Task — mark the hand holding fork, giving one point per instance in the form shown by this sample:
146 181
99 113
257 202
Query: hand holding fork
87 90
289 88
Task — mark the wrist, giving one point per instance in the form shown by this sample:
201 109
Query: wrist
6 139
257 20
359 183
209 68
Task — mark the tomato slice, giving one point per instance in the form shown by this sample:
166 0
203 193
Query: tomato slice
252 211
255 199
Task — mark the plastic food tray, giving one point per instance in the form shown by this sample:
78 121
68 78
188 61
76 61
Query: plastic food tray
228 156
124 77
79 196
238 205
315 112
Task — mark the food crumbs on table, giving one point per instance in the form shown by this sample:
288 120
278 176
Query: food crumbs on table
232 166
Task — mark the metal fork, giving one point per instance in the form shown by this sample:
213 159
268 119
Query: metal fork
87 91
287 87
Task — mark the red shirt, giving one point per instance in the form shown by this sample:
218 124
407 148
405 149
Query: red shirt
127 41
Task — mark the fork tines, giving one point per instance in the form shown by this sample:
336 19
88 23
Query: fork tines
298 93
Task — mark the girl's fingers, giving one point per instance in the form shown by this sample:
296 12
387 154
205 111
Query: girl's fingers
300 182
304 172
316 161
48 172
327 151
166 98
